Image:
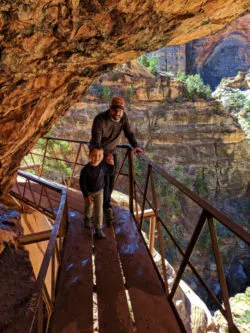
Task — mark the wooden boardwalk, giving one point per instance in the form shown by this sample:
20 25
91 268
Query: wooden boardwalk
110 269
108 285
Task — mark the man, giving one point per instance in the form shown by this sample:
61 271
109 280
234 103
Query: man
106 130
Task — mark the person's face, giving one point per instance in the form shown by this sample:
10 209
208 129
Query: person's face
115 114
95 157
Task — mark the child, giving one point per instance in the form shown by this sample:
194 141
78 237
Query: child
92 184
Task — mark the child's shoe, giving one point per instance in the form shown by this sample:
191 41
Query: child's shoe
87 223
99 234
109 216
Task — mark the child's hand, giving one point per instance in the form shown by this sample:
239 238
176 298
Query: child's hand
109 159
90 199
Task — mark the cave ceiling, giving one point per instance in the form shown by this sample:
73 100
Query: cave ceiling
51 51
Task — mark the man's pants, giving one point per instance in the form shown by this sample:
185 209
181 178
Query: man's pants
96 206
108 186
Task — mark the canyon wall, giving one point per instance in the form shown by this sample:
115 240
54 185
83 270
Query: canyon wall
223 54
51 51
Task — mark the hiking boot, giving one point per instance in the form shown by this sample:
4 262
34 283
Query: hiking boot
109 215
87 223
99 234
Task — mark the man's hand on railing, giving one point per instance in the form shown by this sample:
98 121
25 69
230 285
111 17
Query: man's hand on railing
138 150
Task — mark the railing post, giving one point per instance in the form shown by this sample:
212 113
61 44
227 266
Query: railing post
152 234
44 155
131 175
53 282
221 275
160 239
74 166
40 316
189 250
145 194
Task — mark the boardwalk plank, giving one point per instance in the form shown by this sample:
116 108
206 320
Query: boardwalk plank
151 310
74 302
113 309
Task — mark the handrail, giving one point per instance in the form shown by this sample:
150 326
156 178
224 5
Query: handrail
235 228
208 214
41 294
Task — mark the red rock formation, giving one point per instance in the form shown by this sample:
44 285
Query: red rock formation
239 28
52 50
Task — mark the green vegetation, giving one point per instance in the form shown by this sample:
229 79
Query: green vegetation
237 101
247 106
195 85
245 319
105 93
131 93
181 76
200 184
149 62
55 170
114 75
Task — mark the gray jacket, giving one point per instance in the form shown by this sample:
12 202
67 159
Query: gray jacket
105 132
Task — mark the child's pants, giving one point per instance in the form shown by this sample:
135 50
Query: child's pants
96 206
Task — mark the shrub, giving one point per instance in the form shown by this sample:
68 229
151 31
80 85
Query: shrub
105 93
195 85
149 62
181 76
237 100
131 92
247 106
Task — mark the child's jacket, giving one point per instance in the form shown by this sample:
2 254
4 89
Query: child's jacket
92 177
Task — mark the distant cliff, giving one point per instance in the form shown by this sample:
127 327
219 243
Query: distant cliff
220 55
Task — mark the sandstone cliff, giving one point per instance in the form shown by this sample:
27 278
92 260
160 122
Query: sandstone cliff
52 50
221 55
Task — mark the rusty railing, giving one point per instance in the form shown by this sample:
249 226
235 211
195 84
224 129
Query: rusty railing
208 214
51 200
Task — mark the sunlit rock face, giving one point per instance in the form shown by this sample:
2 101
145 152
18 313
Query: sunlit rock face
221 55
215 57
52 50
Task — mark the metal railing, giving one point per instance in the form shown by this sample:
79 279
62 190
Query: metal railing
51 200
140 197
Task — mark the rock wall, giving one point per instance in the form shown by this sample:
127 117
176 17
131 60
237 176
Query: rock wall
51 51
221 55
16 272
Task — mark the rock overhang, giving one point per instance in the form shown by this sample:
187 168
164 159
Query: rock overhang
51 51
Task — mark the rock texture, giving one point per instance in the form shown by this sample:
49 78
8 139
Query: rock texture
52 50
16 273
221 55
234 94
240 305
10 223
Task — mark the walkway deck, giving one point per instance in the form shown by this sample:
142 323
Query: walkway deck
122 266
116 273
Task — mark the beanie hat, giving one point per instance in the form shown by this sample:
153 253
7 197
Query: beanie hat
117 102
